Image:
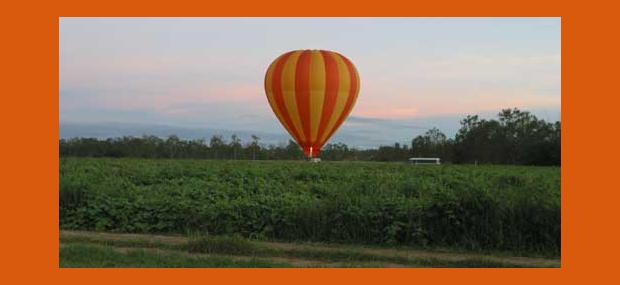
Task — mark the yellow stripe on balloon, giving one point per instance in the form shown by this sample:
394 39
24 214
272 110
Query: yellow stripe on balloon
341 99
288 92
317 93
269 88
270 93
357 75
357 88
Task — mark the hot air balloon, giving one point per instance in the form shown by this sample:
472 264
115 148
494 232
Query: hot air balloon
311 92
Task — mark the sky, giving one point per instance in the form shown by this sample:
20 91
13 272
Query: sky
207 73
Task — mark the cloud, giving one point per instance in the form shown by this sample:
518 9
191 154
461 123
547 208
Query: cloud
378 122
452 83
414 72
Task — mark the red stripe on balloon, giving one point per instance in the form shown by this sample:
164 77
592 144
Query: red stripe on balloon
279 98
350 99
331 93
302 93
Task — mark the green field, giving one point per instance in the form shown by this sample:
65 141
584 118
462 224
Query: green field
497 210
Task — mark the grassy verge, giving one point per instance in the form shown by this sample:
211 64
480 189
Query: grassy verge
93 255
86 249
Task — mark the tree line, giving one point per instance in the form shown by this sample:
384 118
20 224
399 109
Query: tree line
514 137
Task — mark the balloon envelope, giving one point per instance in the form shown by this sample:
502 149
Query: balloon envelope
311 92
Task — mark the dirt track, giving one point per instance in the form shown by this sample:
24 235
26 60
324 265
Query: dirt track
160 242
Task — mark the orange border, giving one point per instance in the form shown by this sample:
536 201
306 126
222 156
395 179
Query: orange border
30 148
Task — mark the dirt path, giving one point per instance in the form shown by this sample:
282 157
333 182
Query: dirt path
295 262
414 253
381 253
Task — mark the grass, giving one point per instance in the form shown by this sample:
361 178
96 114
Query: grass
222 244
92 255
85 249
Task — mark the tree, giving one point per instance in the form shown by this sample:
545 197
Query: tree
337 151
514 137
293 151
433 143
235 143
517 137
255 146
217 145
172 144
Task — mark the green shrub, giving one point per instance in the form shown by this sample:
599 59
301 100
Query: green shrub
470 207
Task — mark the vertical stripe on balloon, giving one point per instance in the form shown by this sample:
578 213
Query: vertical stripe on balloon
278 95
352 94
317 94
270 92
331 93
302 92
288 78
341 98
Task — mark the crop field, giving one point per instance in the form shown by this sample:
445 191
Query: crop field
274 213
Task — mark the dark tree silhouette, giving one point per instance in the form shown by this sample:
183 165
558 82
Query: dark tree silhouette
516 137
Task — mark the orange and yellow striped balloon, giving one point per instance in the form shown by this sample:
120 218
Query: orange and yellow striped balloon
312 92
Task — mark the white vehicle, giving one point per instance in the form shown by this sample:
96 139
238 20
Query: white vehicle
425 160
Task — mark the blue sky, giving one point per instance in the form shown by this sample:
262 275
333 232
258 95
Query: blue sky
208 72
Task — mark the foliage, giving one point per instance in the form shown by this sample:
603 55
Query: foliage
511 208
517 138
